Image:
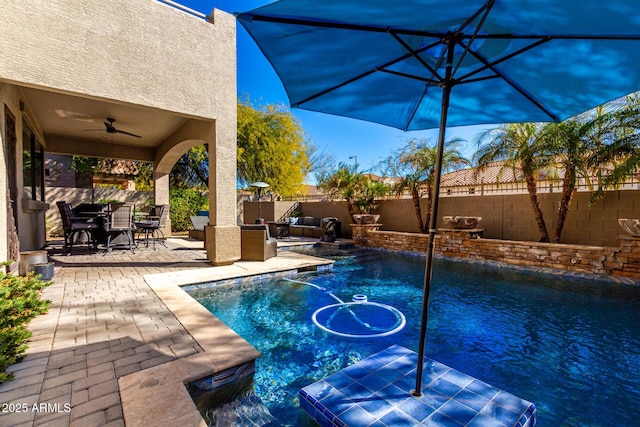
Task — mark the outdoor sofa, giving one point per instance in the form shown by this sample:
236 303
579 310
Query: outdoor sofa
311 226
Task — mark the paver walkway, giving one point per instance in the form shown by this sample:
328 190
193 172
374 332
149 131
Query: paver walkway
104 322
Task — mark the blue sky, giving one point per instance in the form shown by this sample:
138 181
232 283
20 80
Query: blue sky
342 137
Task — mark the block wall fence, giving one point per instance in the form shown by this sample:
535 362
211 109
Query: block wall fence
505 217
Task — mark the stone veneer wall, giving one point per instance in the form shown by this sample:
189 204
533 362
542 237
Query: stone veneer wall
623 261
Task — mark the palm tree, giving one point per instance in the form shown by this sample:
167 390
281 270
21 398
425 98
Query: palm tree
414 165
620 146
356 188
517 145
568 143
572 143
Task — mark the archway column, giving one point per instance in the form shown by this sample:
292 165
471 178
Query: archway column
161 196
222 235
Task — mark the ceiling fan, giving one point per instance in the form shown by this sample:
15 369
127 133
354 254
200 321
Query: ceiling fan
110 128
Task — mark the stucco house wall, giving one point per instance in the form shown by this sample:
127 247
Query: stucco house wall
163 58
143 54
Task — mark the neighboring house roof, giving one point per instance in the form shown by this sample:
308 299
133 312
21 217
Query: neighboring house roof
383 179
494 172
312 190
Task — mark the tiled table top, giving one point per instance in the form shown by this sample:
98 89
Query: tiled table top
377 392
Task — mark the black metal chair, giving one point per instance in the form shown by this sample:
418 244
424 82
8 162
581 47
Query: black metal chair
153 224
73 226
118 222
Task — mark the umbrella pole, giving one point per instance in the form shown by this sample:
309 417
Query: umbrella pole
446 94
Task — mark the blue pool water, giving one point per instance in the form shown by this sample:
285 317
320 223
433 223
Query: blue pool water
570 346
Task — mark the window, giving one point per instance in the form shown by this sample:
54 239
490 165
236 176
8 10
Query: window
33 165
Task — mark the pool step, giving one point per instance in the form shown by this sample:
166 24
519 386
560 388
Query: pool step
339 243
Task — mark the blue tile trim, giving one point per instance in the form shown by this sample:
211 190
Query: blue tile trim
376 392
242 280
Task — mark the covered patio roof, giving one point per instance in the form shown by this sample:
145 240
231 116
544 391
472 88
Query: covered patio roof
75 125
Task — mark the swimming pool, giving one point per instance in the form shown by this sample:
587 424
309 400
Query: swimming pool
570 346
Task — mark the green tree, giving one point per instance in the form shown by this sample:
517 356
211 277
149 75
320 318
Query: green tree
144 179
84 167
347 183
272 148
191 170
415 167
517 145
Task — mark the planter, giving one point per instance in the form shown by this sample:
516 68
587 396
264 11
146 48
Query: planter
31 257
462 222
366 218
10 269
631 226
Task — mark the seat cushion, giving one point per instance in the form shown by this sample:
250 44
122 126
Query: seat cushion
148 224
312 221
76 226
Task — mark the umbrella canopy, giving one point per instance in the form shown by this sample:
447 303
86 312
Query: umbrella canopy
514 61
420 64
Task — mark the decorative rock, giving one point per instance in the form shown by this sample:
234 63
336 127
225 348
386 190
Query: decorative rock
366 218
462 222
631 226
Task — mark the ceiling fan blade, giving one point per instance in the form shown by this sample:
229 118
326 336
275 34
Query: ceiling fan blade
126 133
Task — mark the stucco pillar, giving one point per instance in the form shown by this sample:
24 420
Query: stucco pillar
222 235
161 196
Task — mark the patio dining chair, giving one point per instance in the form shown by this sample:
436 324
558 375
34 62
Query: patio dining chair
153 224
73 226
119 222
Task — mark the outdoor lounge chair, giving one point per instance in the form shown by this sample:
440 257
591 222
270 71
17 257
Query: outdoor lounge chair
256 243
73 226
199 223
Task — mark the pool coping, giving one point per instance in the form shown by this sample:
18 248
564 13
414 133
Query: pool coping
158 395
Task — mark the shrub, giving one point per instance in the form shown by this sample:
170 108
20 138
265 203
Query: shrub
185 203
107 201
19 302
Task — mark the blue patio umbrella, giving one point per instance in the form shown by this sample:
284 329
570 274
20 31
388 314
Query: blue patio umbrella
420 64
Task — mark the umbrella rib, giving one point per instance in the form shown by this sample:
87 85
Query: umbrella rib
352 79
415 54
411 76
477 79
415 107
382 68
490 65
513 84
629 37
508 80
248 17
484 10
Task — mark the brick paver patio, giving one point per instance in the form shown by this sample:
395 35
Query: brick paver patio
105 322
